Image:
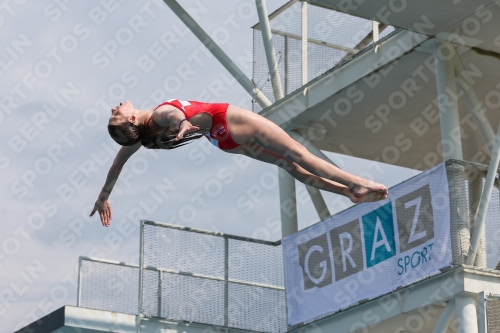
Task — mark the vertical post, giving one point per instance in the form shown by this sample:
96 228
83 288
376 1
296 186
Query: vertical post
483 323
79 292
475 185
286 66
375 31
160 286
465 306
485 200
217 52
318 202
267 37
141 270
475 107
288 203
226 281
451 142
304 42
445 319
444 56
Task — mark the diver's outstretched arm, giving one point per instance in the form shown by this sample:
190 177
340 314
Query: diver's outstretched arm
102 204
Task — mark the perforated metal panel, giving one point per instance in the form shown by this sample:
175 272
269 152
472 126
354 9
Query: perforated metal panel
493 314
184 251
110 287
334 37
195 285
466 181
192 299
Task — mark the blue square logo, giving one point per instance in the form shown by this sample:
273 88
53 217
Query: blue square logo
378 226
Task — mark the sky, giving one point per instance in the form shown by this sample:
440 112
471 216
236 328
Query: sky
63 66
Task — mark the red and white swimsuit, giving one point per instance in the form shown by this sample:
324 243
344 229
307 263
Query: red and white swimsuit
219 133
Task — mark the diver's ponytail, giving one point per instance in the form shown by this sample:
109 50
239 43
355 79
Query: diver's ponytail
165 139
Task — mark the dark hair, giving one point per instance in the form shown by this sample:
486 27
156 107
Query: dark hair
128 134
165 139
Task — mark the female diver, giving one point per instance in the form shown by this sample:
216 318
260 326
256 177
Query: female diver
232 129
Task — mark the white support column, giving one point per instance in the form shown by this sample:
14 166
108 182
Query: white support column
304 42
286 66
375 31
267 37
308 144
318 202
242 79
465 306
314 193
484 203
288 203
475 185
444 59
483 320
444 56
445 319
476 108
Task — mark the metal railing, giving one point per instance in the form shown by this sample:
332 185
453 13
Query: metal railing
331 38
192 275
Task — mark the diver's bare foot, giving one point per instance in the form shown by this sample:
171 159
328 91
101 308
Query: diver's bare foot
366 191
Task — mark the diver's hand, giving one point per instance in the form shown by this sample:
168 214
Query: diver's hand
186 127
103 206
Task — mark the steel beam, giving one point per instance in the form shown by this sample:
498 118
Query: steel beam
141 271
318 202
476 108
485 200
288 203
310 146
217 52
445 319
314 193
267 38
444 56
465 306
304 42
475 182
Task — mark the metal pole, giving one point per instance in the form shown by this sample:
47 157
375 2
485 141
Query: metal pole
160 286
444 56
318 202
141 270
476 108
483 323
79 292
304 42
445 319
451 142
267 37
465 306
309 146
226 281
288 203
475 185
219 54
286 65
485 200
376 32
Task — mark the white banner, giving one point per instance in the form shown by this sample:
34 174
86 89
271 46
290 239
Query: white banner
370 249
